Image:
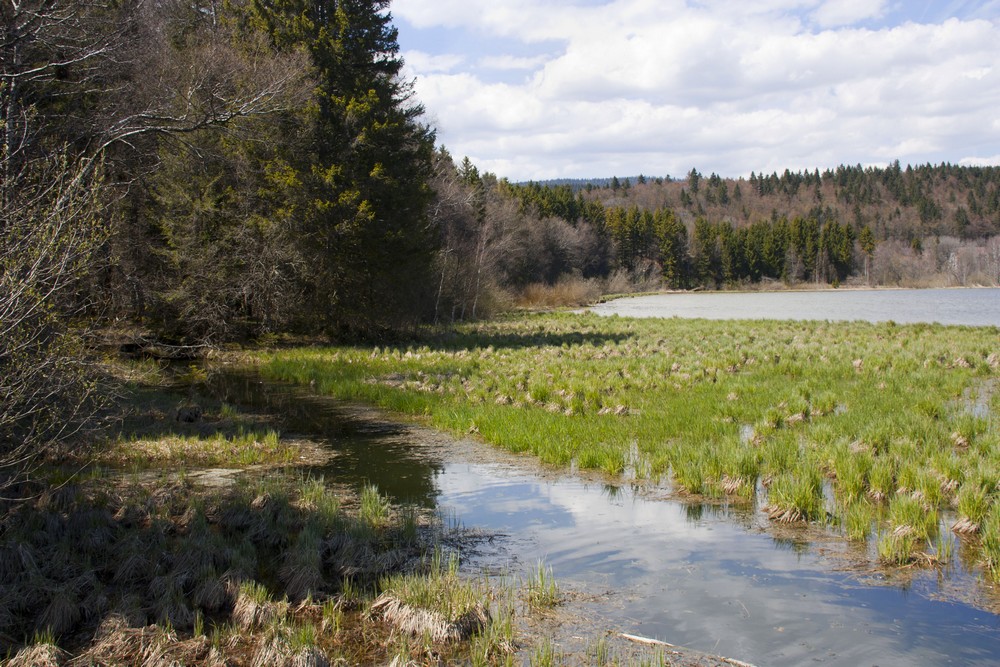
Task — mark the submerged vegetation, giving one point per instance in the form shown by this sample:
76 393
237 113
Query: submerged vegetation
872 429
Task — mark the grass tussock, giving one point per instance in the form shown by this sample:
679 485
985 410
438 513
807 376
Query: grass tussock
796 497
117 643
274 570
254 608
427 623
834 420
541 587
243 448
437 602
42 654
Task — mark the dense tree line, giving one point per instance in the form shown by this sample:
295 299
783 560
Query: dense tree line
496 240
310 219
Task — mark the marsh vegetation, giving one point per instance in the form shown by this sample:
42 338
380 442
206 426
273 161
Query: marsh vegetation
277 569
125 554
882 432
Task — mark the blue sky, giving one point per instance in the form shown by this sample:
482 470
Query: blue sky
588 88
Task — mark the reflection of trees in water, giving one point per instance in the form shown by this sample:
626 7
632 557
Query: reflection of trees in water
739 513
368 450
793 544
694 513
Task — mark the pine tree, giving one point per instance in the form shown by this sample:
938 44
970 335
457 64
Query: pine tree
866 239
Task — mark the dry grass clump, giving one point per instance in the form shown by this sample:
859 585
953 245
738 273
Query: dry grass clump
286 645
178 558
117 643
254 608
439 606
43 654
62 612
569 291
242 448
302 570
425 622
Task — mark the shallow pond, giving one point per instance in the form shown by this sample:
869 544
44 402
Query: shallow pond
711 578
973 307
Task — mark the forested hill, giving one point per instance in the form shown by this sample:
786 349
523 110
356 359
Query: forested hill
896 202
850 222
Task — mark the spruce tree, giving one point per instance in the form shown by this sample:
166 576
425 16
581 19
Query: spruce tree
362 186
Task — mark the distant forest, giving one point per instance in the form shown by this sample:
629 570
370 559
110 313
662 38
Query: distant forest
917 226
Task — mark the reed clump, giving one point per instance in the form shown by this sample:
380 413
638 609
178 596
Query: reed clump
542 588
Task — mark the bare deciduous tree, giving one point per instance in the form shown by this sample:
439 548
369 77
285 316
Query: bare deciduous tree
52 224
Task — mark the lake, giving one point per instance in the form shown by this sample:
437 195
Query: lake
972 307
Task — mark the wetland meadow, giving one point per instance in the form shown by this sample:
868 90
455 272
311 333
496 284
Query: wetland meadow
868 449
874 429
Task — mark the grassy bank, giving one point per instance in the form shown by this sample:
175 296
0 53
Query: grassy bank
874 428
139 560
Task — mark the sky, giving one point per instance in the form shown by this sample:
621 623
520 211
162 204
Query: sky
542 89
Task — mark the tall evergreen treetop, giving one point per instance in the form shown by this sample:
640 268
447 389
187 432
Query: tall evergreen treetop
364 194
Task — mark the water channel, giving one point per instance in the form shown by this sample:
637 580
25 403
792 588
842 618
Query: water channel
715 579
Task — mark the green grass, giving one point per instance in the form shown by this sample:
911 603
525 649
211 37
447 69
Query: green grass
542 589
440 588
862 411
374 509
797 496
973 505
857 520
545 654
990 531
243 448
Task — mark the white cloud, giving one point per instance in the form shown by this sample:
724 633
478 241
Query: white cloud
981 161
728 86
522 19
506 62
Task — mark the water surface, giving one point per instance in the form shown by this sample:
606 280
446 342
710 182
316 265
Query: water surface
708 579
973 307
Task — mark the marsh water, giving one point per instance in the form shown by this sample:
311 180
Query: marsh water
973 307
715 579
